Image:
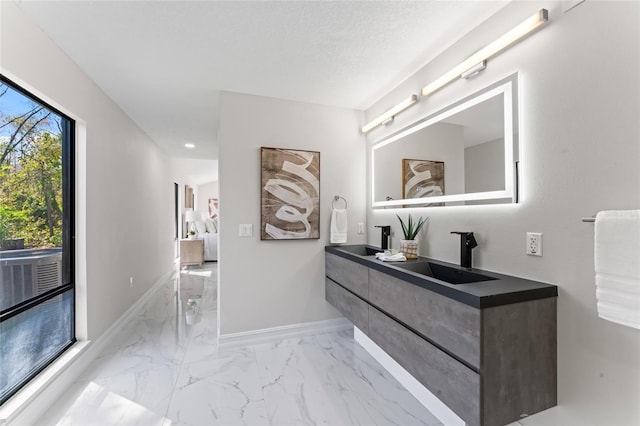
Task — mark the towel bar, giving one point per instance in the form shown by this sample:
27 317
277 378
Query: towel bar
338 198
588 219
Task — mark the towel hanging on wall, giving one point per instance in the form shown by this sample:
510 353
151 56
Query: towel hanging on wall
617 266
338 226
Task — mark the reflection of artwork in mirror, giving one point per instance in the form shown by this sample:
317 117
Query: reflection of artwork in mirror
290 198
477 138
422 178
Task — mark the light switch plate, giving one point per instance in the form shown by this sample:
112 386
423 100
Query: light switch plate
360 228
246 230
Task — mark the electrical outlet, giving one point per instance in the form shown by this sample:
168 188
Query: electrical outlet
130 281
360 228
534 243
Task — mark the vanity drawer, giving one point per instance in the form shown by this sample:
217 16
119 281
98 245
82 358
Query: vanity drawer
444 321
452 382
352 307
350 275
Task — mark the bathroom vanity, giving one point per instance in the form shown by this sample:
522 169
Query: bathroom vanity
481 342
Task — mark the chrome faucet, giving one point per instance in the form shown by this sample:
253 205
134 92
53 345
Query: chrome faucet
386 234
467 243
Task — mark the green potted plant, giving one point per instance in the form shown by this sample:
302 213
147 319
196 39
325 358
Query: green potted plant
410 230
191 234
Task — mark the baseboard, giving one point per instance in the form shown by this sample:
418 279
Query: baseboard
422 394
253 337
28 405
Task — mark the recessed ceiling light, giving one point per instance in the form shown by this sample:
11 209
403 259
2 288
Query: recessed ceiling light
189 145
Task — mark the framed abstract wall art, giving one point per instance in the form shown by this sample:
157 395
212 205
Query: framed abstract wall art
212 207
290 194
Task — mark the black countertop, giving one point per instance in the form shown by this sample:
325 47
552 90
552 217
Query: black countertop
503 290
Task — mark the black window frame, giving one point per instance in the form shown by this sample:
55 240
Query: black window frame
68 237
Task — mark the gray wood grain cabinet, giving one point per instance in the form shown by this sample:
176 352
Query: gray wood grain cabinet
448 379
351 306
448 323
490 365
353 276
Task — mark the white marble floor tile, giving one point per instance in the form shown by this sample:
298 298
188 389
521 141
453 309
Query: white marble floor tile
384 398
162 305
203 344
223 391
107 395
301 386
97 405
161 340
165 368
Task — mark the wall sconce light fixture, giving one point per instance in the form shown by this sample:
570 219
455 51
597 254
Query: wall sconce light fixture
388 115
468 67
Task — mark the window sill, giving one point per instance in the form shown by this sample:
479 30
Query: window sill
57 373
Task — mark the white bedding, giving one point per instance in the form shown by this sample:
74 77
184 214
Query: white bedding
210 245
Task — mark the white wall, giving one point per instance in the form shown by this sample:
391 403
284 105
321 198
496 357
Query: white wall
484 167
266 284
124 194
580 148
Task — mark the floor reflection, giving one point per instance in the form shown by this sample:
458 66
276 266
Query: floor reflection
165 368
190 284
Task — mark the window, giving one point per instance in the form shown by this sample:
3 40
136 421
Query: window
37 294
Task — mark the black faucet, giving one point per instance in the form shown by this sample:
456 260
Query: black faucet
467 243
386 233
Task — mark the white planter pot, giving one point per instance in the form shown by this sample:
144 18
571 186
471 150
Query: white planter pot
409 248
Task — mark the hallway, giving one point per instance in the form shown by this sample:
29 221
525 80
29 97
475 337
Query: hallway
165 368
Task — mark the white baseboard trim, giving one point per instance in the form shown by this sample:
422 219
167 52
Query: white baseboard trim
422 394
28 405
253 337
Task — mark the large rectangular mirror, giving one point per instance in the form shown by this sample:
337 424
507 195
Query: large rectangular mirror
464 154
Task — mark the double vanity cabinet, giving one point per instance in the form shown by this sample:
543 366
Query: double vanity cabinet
485 346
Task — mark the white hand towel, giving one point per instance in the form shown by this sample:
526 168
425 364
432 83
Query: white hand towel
619 298
338 226
388 257
617 266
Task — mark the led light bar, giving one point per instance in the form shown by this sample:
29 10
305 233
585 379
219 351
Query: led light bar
528 25
390 113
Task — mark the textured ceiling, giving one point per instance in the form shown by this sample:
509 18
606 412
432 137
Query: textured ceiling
165 62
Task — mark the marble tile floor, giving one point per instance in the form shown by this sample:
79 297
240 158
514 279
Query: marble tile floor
165 368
